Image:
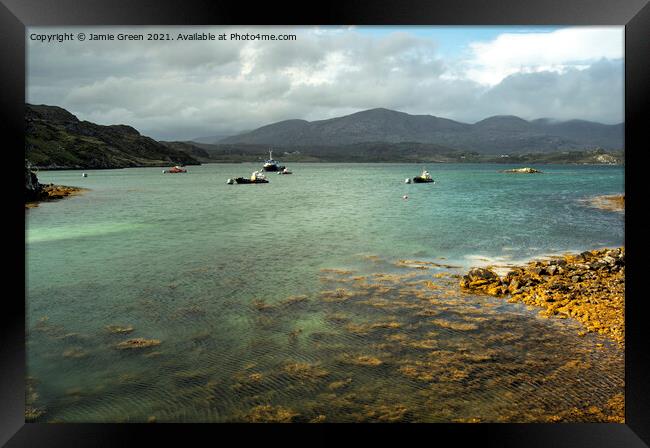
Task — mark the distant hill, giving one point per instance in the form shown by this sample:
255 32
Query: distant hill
406 152
56 139
210 139
494 135
357 152
191 148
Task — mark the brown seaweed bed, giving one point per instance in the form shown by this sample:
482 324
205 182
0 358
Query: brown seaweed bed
613 203
405 344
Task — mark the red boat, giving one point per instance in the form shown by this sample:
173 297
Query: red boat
176 169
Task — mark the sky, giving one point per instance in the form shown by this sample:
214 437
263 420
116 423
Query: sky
179 90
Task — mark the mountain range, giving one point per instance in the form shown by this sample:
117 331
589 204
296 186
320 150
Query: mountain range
56 139
493 135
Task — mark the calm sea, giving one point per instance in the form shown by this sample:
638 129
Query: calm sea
320 296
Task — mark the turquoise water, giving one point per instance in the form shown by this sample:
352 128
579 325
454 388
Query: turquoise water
207 268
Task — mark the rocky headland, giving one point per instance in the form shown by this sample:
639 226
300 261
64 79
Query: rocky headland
588 287
36 192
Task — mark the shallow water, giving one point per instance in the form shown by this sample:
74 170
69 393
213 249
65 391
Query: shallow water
291 294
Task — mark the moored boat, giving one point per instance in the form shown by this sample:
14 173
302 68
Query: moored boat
425 177
176 169
272 165
256 178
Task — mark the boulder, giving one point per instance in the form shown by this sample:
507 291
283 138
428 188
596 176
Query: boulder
482 274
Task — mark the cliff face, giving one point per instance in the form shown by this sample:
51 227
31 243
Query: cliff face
54 138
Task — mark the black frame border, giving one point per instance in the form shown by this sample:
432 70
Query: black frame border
15 15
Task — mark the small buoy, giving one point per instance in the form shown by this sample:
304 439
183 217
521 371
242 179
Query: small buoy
405 197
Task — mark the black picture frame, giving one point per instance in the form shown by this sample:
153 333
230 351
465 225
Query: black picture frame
15 15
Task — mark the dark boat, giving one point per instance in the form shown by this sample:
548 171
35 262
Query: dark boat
245 180
423 178
272 165
256 178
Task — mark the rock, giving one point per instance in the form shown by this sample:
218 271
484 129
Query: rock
481 274
599 265
538 270
478 278
609 260
514 285
526 170
551 270
32 188
586 255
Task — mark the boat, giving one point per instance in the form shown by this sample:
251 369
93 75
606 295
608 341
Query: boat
272 165
176 169
425 177
285 171
257 177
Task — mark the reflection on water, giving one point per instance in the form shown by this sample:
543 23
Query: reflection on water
390 341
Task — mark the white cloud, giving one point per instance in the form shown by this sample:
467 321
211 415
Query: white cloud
555 51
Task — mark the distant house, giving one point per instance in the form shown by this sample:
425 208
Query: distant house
504 155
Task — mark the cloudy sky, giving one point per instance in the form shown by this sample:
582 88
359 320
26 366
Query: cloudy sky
185 89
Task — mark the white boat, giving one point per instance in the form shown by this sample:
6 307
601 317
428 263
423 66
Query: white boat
272 165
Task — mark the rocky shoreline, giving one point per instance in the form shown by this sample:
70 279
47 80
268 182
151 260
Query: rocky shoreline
36 192
53 192
588 287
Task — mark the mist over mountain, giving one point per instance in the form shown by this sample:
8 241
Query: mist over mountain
493 135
